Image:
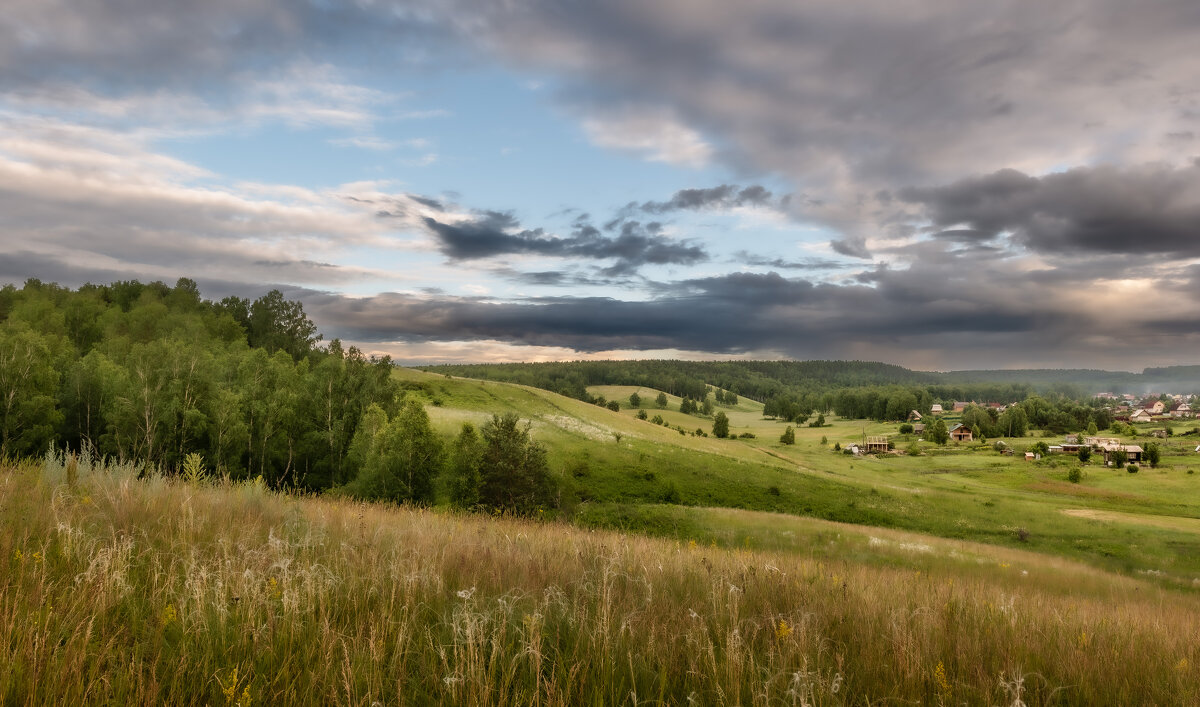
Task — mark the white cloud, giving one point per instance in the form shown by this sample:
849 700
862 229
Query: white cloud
654 134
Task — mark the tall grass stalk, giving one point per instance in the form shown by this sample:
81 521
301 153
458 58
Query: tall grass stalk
134 588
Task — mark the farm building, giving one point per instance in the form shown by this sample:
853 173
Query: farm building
936 409
914 416
877 444
1133 452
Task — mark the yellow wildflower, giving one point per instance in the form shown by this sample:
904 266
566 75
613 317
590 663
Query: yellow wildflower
943 684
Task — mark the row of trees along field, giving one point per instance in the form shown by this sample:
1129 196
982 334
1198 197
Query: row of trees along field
758 380
154 373
804 388
894 403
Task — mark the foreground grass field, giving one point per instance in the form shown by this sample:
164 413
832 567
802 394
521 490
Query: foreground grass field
116 590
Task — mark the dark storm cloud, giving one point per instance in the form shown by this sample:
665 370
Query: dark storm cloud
728 314
854 248
724 196
1153 209
492 234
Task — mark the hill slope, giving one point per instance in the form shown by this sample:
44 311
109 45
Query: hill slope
156 591
654 479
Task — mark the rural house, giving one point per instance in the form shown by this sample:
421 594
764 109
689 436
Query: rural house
914 416
1133 453
1155 408
936 409
960 433
1141 415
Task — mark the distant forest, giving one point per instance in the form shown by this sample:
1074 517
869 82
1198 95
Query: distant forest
856 389
156 374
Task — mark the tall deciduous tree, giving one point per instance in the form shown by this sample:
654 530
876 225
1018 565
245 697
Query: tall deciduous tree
404 459
1013 422
277 324
937 432
720 426
463 479
28 382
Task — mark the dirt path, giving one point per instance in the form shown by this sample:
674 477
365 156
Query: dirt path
1168 522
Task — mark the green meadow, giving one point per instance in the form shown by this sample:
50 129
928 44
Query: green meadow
655 480
677 568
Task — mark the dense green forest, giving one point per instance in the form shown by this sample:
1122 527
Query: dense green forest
154 373
160 376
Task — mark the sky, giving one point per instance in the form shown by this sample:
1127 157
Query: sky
966 185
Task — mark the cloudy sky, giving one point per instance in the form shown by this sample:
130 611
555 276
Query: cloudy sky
940 185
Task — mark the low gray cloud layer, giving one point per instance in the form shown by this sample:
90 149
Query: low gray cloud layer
1139 210
916 315
491 234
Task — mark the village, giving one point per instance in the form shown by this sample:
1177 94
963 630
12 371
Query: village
1126 411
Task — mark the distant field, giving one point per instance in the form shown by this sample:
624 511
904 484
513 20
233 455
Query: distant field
966 492
124 591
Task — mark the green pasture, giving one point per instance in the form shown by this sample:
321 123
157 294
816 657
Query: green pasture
617 471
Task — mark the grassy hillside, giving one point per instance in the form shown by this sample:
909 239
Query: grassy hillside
1145 524
123 591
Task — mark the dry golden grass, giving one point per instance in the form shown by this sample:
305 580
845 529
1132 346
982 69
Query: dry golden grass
124 591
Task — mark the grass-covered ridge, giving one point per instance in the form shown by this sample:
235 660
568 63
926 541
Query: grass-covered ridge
655 480
117 590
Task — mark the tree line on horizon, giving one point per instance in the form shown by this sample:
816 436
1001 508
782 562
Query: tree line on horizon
849 389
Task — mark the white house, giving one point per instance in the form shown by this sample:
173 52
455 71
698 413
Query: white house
1140 416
